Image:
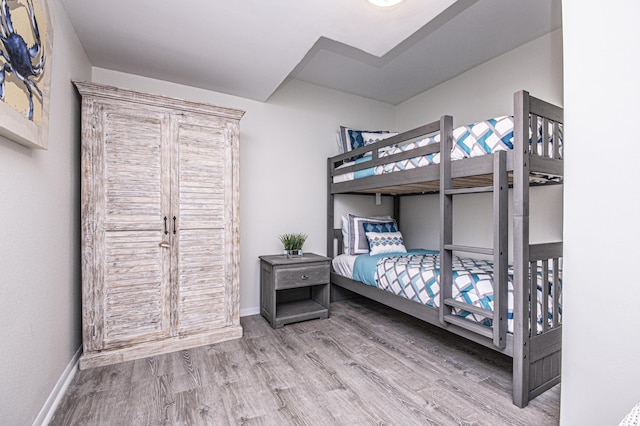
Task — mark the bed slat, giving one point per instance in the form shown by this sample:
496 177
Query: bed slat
533 292
545 137
556 140
556 293
533 130
469 308
469 325
545 296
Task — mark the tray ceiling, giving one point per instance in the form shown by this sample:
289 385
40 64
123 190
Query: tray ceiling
248 48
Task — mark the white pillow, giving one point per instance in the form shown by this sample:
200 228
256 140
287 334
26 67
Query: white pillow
345 234
386 242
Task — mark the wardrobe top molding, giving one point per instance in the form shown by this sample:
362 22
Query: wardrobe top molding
105 91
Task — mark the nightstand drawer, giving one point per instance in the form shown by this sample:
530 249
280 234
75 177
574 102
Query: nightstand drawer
303 276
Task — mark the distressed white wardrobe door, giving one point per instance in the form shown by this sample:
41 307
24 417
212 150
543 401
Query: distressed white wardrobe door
132 198
203 196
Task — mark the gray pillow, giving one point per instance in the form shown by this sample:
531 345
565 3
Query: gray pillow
355 238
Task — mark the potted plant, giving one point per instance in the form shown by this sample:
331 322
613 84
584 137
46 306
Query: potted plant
293 243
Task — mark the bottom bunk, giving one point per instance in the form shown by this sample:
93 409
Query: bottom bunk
409 282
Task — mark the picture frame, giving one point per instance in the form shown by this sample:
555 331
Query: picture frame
27 27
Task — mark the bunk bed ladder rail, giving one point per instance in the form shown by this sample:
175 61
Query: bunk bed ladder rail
497 333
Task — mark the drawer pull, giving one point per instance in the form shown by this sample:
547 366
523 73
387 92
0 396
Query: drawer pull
304 277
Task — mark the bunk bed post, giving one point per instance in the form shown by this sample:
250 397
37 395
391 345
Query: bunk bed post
521 326
500 248
330 213
446 216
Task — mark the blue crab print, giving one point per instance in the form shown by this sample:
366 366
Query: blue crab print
26 63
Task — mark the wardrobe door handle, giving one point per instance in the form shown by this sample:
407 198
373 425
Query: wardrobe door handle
165 226
174 225
305 277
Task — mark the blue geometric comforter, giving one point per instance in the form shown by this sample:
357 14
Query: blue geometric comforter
416 276
472 140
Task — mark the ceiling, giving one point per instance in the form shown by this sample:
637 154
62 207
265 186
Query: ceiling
248 48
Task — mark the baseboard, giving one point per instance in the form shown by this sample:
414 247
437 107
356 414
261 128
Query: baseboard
250 311
50 405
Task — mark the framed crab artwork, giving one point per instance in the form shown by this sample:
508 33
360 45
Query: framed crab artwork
26 40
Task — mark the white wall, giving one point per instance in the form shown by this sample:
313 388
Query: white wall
483 92
284 143
487 90
473 218
601 344
40 249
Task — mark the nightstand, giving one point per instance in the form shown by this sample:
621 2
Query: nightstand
294 288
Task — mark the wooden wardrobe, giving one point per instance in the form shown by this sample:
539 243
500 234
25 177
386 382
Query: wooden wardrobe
160 231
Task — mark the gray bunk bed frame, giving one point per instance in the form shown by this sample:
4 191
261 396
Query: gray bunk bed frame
536 356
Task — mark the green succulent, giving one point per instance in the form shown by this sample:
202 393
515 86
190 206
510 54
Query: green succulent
293 241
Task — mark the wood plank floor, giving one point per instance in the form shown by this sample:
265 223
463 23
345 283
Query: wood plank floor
365 365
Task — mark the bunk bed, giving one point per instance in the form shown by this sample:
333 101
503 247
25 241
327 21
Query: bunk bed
524 319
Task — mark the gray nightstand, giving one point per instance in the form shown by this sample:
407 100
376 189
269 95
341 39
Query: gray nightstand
294 289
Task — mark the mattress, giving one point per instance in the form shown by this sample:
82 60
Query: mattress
473 140
415 276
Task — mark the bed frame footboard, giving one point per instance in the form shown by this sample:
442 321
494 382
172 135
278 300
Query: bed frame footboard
536 353
544 362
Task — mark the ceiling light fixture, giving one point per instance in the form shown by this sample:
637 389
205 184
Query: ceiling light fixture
384 3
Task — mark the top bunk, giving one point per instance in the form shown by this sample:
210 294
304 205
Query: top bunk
409 163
